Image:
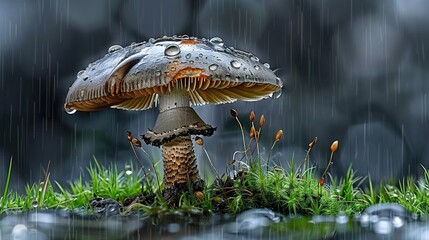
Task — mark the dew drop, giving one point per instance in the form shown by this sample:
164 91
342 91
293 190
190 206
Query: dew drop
217 40
188 56
80 73
157 73
172 50
128 170
213 67
114 48
235 64
70 110
266 65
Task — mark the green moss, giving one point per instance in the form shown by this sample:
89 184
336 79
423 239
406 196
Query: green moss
288 192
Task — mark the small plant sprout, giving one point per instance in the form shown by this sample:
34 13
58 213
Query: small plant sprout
334 148
258 133
252 116
277 138
200 142
134 142
234 114
307 155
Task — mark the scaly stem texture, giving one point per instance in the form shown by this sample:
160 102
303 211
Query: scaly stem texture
179 161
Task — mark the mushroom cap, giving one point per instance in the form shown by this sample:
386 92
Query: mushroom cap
132 77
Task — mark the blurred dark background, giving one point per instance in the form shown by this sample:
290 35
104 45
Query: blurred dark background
356 71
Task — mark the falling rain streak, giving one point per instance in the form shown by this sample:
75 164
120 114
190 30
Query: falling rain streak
351 70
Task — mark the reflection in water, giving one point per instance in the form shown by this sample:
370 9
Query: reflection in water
384 221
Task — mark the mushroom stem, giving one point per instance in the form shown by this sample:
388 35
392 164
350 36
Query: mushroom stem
180 164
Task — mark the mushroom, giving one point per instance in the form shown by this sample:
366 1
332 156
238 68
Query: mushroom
173 73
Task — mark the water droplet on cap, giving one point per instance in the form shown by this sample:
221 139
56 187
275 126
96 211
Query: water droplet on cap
85 78
279 82
228 77
80 73
213 67
235 64
188 56
276 94
70 110
157 73
254 58
256 67
266 65
172 50
217 40
114 48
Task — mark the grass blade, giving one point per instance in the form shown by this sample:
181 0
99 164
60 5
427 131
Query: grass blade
6 187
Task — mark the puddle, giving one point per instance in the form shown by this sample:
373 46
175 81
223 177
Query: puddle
384 221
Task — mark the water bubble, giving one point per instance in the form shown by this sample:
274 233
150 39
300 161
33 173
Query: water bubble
114 48
172 50
188 56
397 222
70 110
157 73
235 64
256 67
80 73
383 227
19 231
217 40
34 203
213 67
364 220
266 65
342 219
